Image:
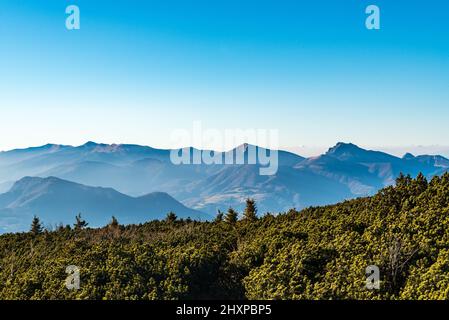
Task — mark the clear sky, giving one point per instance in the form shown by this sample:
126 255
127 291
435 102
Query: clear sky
137 70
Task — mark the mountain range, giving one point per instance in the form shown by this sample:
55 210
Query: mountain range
57 201
138 183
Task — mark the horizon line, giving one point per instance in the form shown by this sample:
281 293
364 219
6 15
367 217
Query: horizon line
318 150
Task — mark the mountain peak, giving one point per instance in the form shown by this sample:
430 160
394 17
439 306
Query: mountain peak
245 146
90 144
351 152
342 147
57 200
408 156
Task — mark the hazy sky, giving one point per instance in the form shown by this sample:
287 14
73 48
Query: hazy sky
137 70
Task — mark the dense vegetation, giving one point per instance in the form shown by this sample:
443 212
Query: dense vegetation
318 253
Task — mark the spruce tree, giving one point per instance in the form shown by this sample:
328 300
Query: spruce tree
114 222
421 183
250 213
36 226
219 217
171 217
231 216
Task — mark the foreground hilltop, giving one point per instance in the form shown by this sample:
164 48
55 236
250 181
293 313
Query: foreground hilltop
317 253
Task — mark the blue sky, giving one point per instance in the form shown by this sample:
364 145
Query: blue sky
137 70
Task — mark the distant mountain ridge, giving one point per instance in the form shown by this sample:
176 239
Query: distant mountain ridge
345 171
58 201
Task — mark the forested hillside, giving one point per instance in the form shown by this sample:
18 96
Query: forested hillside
317 253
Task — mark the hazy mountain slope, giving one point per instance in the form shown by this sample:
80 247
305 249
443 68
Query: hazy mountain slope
5 186
18 155
58 201
345 171
16 164
366 171
287 189
131 169
356 176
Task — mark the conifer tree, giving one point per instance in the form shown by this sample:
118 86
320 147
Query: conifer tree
231 216
171 217
36 226
219 217
250 213
114 222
